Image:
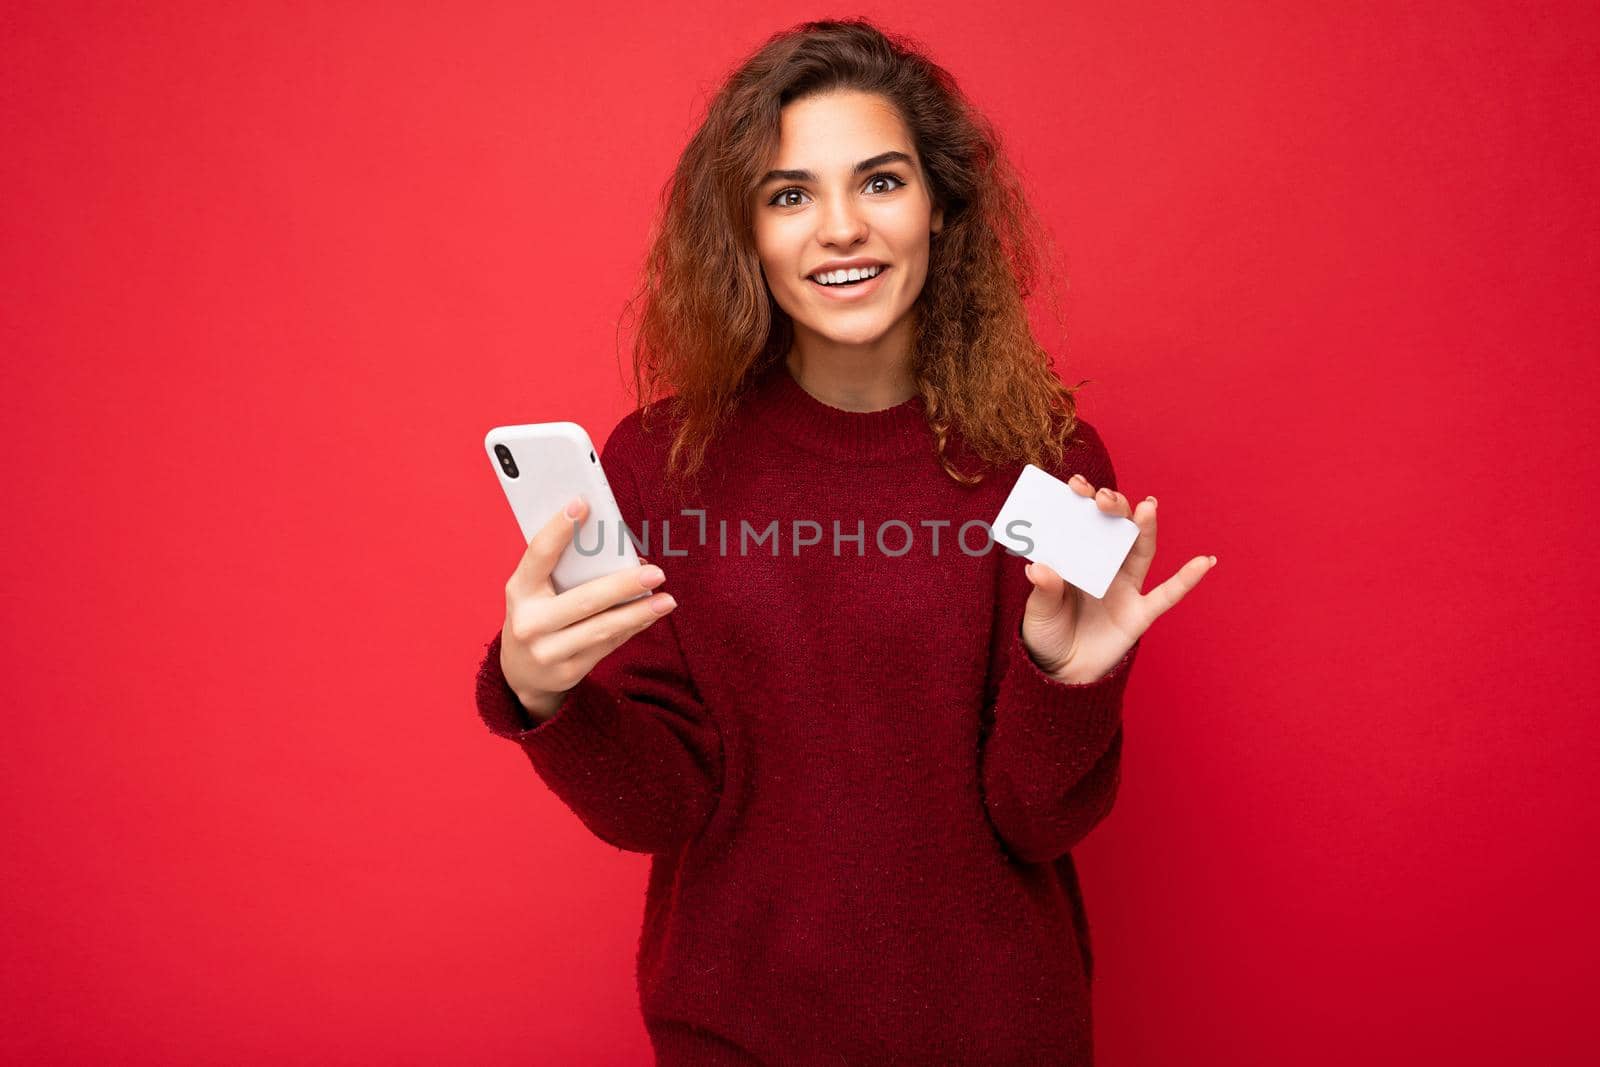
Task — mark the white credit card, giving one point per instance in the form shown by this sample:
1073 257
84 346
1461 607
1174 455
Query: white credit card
1046 521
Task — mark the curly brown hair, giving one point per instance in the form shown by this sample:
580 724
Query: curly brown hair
706 335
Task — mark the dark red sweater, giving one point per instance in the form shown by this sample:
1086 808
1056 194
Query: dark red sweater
858 790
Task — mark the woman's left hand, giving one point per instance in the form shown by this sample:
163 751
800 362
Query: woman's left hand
1075 638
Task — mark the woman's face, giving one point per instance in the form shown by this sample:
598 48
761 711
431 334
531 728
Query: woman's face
830 206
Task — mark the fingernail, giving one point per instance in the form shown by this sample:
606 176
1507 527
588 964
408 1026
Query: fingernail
1076 478
651 576
574 506
1028 570
1213 560
663 603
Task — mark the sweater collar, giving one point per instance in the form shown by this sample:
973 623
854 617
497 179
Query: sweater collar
780 404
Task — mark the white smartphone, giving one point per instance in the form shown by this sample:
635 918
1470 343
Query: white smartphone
541 466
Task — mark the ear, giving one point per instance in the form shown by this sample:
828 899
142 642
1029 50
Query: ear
938 220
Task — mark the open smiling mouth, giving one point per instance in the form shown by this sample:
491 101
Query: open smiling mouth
844 290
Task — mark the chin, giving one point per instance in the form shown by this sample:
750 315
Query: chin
847 328
863 336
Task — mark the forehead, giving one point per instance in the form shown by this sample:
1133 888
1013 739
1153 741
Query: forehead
834 130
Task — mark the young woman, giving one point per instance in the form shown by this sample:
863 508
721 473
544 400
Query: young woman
861 747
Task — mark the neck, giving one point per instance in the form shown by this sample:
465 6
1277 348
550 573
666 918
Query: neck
869 377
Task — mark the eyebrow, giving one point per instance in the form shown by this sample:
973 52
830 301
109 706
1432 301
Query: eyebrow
809 176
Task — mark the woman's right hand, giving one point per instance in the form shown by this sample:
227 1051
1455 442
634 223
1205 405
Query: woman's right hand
551 640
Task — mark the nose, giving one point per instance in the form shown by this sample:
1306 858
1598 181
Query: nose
840 223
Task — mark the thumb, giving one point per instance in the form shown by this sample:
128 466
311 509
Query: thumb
1049 589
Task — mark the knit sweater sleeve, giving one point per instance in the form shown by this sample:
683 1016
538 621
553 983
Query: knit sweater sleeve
631 749
1051 761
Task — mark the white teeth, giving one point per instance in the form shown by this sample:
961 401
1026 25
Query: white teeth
851 275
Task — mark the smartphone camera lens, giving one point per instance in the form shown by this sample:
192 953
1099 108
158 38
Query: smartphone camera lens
507 464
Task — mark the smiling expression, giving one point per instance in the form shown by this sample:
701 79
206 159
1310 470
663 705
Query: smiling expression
847 188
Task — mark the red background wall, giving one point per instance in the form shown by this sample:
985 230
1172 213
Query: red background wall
270 272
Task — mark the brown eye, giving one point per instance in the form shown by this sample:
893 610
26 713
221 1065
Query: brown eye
778 201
